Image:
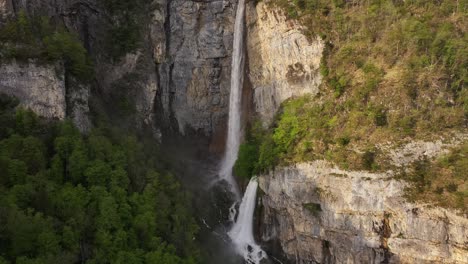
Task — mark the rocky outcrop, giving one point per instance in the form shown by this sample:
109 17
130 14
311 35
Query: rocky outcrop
415 150
283 62
195 72
40 88
3 8
134 79
321 214
77 96
81 16
179 76
47 90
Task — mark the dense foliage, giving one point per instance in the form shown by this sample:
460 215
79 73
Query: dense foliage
126 20
394 71
24 38
69 198
443 181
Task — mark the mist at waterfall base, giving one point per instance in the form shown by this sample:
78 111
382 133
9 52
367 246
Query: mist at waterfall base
242 231
226 221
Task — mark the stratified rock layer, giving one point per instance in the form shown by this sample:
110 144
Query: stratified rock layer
46 90
195 73
321 214
283 62
40 88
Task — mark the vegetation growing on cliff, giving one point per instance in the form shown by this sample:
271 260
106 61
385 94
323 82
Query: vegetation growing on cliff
101 198
394 71
442 181
25 38
126 20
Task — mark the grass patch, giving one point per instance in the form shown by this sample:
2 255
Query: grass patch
313 208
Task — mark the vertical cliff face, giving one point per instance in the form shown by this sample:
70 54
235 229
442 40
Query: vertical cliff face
47 88
40 88
85 17
283 62
43 89
195 70
178 77
322 214
319 213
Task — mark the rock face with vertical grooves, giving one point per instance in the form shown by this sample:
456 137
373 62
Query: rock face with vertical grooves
40 88
182 66
321 214
195 73
283 62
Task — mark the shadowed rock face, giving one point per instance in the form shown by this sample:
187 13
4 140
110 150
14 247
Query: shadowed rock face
195 72
181 69
49 90
85 17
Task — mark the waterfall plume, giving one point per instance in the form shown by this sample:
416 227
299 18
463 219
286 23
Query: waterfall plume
235 98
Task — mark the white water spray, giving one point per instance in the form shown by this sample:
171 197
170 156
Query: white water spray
242 231
235 97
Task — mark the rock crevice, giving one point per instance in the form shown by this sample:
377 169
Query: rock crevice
364 218
283 62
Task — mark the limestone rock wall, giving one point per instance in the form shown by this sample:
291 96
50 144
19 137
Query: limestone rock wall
85 17
180 75
283 62
40 88
77 97
321 214
195 73
47 90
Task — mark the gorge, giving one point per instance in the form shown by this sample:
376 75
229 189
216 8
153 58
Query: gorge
224 131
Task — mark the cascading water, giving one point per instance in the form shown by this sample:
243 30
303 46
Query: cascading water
237 81
242 232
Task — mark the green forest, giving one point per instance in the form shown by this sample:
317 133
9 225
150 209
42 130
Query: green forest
100 198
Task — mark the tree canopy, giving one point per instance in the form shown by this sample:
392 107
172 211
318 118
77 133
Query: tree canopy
69 198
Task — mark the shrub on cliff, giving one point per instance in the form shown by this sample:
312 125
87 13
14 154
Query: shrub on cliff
24 38
127 18
394 72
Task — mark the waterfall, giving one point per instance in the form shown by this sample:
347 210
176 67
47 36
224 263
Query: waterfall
235 98
242 231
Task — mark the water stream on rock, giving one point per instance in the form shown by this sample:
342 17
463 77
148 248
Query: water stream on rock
235 97
241 233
